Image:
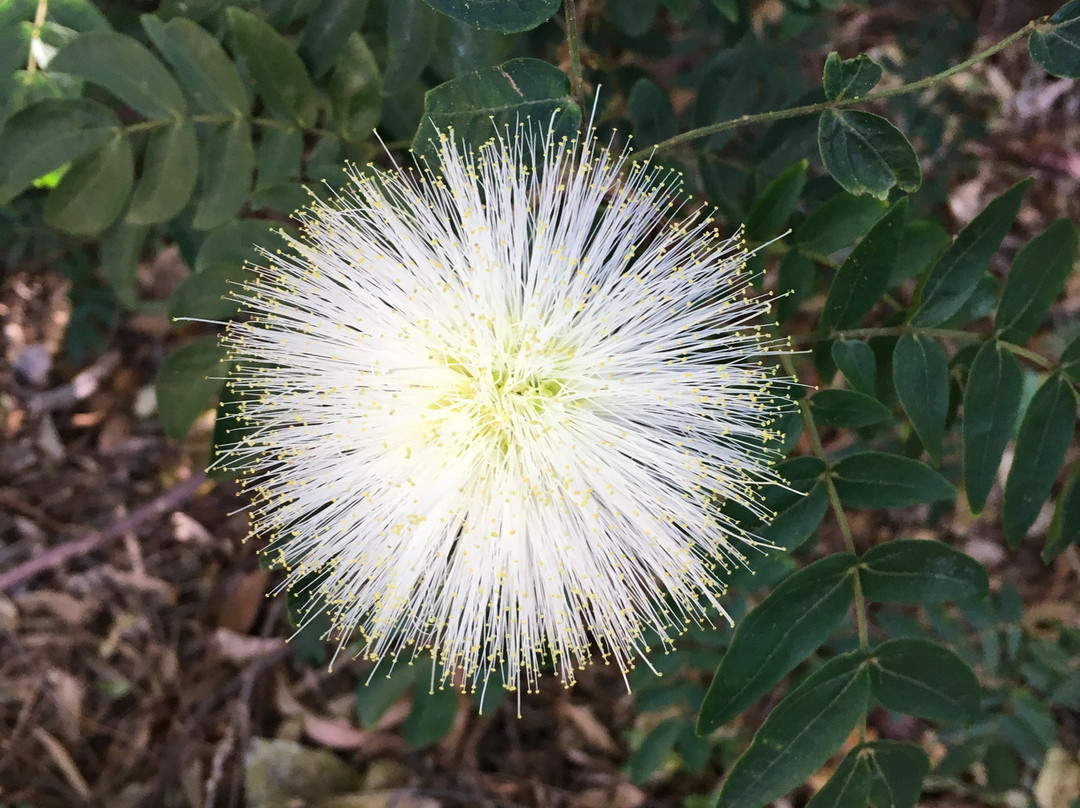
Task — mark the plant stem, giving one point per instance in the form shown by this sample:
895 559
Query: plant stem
938 333
40 14
576 89
861 622
811 109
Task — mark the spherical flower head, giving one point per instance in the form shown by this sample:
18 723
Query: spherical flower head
494 411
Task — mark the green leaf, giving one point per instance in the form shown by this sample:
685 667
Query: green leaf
92 195
849 786
186 381
632 17
954 277
1070 359
918 571
124 68
897 771
327 30
922 243
355 92
1065 527
410 36
800 733
169 168
921 377
850 78
526 91
654 748
206 295
991 407
834 407
278 156
776 204
228 160
509 16
279 74
1055 46
863 277
48 134
857 362
204 70
795 282
1045 435
866 154
650 112
1037 276
432 715
118 257
839 223
881 480
919 677
796 523
782 631
378 694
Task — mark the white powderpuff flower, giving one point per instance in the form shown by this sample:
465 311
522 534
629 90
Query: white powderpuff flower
493 413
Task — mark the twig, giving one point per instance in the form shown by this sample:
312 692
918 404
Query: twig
84 385
56 556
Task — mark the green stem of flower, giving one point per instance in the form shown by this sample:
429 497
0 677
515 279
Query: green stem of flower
40 15
812 109
861 622
576 87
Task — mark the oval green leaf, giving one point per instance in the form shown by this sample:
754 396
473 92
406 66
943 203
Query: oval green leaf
856 361
955 275
918 571
509 16
355 92
650 112
849 78
377 694
882 480
795 524
897 771
849 786
777 202
124 68
1036 278
46 135
782 631
654 748
204 70
279 74
1045 435
327 31
228 160
118 257
921 378
863 277
92 195
1065 527
170 165
432 715
834 407
1055 46
991 407
481 104
922 243
803 731
410 38
206 295
866 154
919 677
839 223
186 381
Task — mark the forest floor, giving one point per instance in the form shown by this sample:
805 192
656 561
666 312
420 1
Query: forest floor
142 663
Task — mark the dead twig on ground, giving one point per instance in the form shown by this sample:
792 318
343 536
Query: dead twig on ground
56 556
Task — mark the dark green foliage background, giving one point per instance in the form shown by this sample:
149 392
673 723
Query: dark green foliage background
207 123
